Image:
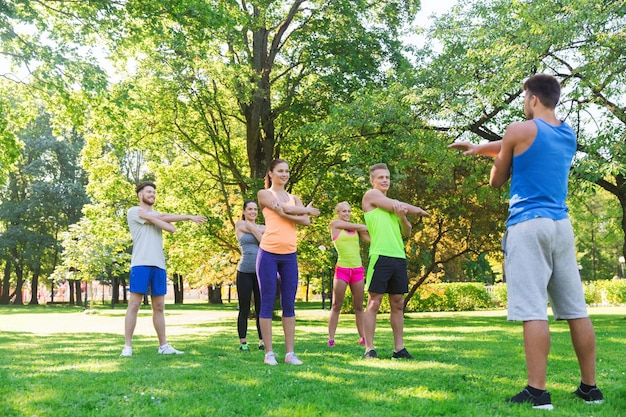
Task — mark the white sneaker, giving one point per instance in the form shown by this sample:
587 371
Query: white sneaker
169 350
270 359
292 359
127 351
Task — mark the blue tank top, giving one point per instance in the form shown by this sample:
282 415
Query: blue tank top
249 250
540 174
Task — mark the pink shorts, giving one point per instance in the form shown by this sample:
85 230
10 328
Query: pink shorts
349 275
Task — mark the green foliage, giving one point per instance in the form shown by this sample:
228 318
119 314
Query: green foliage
499 295
611 291
451 297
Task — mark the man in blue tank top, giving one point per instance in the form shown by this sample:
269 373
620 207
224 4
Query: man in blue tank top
539 254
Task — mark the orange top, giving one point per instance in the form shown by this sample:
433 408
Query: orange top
280 234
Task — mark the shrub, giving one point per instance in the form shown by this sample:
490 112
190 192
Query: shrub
499 295
593 292
615 291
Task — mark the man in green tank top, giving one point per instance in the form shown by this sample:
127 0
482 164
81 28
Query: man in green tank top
387 223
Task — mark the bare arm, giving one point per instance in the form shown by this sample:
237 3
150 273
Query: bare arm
173 218
156 220
243 226
300 209
267 199
376 199
338 224
488 149
517 138
365 236
353 227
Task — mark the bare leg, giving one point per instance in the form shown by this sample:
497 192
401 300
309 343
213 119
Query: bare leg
369 319
339 291
130 321
358 289
289 328
537 347
158 317
396 316
584 340
266 330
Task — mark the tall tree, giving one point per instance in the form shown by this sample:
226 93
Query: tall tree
43 196
471 88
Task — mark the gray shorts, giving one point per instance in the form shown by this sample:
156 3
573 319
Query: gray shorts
540 265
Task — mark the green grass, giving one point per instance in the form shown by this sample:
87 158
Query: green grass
58 361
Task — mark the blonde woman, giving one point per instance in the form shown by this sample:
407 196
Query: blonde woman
349 269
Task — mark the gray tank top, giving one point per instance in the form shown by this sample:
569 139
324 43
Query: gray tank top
249 250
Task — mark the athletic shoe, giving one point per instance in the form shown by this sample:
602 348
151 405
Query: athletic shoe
594 396
169 350
127 351
292 359
244 347
270 359
401 354
331 342
542 401
362 341
370 354
261 346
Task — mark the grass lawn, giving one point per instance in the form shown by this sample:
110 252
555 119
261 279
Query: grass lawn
59 361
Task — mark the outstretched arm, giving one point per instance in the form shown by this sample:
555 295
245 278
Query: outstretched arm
267 199
156 220
173 218
488 149
376 199
338 224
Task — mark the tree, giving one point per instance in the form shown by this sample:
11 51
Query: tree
43 196
471 89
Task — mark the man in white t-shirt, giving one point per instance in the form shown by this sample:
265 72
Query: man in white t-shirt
147 266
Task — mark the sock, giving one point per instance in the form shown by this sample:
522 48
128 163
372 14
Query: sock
534 391
586 388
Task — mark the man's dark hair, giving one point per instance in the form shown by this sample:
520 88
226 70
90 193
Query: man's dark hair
545 87
144 185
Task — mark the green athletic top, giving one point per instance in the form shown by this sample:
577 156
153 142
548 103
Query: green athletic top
385 233
348 250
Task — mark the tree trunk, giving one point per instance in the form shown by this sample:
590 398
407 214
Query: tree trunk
18 286
70 286
178 289
215 294
6 284
115 291
79 292
34 288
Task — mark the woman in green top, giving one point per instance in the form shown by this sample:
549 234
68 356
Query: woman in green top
349 269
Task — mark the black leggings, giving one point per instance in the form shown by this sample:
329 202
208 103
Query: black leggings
247 283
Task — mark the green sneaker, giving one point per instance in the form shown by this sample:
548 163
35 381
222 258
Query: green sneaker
244 347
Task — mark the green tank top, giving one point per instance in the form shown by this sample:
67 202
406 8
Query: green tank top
348 250
385 233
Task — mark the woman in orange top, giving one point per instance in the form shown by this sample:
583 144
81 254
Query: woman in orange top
277 263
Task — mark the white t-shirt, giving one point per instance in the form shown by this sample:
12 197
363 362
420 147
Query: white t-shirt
147 240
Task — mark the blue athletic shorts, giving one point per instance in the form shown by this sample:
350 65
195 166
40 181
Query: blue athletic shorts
148 280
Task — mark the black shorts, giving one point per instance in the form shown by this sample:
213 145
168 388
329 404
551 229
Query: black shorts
387 275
